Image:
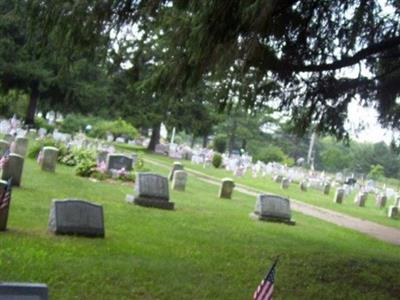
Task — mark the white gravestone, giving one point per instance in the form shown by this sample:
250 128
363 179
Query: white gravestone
179 180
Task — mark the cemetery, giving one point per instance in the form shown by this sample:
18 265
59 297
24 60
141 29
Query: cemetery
199 150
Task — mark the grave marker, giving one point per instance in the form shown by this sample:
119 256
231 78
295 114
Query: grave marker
13 169
339 196
179 180
273 208
226 188
23 291
151 190
49 159
381 200
119 162
175 167
20 146
78 217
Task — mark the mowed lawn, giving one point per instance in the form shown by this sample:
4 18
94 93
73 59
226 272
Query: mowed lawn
207 248
312 196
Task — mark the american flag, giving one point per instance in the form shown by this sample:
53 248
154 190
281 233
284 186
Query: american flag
6 196
266 288
4 159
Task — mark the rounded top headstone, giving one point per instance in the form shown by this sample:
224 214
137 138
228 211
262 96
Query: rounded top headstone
50 148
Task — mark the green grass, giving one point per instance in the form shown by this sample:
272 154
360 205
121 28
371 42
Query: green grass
207 248
312 196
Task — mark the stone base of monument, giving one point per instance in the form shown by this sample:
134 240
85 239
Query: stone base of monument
258 217
147 202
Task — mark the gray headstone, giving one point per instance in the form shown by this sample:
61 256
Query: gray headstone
3 210
49 159
226 188
179 180
23 291
13 168
175 167
151 190
381 200
327 188
4 146
397 202
118 162
273 208
9 138
360 199
134 158
393 212
76 217
102 156
278 178
339 196
285 183
303 186
20 146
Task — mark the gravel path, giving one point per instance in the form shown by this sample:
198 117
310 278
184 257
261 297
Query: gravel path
381 232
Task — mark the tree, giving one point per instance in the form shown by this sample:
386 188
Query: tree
303 46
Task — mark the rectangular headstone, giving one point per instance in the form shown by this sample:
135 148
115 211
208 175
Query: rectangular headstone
151 190
119 162
76 217
273 208
4 206
23 291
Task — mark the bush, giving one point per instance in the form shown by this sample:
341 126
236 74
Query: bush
86 163
217 160
271 154
377 172
219 143
47 142
74 123
118 128
42 123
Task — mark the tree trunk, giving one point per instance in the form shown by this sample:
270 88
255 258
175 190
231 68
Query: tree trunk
33 101
192 141
155 137
205 140
244 144
232 137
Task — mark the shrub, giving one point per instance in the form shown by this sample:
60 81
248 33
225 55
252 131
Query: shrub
117 128
219 143
86 165
128 176
42 123
47 142
217 160
377 172
271 154
74 123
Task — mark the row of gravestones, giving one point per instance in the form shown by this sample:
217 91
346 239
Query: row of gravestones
360 199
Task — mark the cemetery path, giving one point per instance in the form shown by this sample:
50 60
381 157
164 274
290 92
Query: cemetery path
381 232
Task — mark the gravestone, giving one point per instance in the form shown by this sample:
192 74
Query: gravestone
13 169
23 291
4 207
118 162
278 178
78 217
381 200
361 198
151 190
4 146
20 146
134 158
9 138
273 208
303 186
397 202
179 180
175 167
285 183
393 212
49 159
226 188
339 196
102 156
327 188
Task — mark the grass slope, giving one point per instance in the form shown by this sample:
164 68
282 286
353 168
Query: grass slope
207 249
312 196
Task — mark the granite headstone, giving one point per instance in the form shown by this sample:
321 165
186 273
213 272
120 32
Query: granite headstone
49 159
226 188
119 162
273 208
13 168
23 291
179 180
